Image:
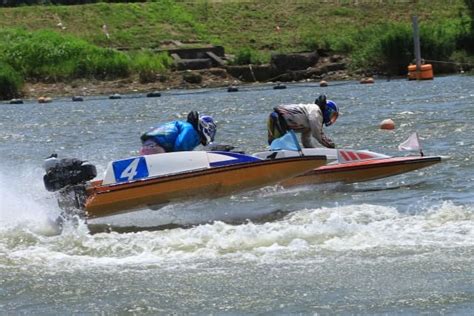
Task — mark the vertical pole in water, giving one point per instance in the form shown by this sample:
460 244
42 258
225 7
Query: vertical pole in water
416 41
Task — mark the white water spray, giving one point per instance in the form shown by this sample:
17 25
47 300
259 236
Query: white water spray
24 204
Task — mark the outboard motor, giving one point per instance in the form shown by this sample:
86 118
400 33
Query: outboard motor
61 173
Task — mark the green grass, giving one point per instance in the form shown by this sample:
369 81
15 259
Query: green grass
234 24
10 82
376 34
48 56
149 64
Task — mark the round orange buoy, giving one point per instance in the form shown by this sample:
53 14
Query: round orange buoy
387 124
323 83
367 80
424 73
44 100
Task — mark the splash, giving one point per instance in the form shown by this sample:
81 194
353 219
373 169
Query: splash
25 205
313 234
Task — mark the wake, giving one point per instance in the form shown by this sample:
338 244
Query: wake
24 204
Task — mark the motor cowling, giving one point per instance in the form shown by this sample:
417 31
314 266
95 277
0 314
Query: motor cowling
67 171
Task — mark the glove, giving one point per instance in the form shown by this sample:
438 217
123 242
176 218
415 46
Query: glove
219 147
327 142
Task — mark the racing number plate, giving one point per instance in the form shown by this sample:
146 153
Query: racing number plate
130 169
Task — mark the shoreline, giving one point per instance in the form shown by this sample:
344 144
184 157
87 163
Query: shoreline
211 78
92 87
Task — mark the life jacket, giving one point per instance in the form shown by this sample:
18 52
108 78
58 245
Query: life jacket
174 136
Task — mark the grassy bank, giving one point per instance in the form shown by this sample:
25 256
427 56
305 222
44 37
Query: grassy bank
76 41
47 56
234 24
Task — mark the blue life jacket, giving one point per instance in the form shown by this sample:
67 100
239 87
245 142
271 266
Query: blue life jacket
174 136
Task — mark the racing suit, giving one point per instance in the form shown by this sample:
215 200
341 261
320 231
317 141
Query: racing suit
306 119
173 136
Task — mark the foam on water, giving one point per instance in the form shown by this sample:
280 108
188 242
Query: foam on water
307 233
25 206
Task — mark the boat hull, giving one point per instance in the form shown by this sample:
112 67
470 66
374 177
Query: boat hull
361 171
105 200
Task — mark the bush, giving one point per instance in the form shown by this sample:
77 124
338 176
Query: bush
148 65
389 48
48 56
385 48
10 82
247 56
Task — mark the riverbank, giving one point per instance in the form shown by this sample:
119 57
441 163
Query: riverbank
110 42
88 87
210 78
327 69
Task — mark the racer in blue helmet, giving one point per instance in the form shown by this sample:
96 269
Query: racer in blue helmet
307 119
330 113
179 135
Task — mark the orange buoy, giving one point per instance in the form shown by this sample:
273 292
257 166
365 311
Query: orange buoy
323 83
367 80
388 124
44 99
425 72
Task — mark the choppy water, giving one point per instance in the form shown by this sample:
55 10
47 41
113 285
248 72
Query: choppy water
403 245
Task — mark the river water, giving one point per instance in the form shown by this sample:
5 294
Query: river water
402 245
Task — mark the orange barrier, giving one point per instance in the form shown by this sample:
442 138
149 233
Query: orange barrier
367 80
44 100
425 73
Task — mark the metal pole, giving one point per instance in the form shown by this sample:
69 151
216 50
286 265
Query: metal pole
416 41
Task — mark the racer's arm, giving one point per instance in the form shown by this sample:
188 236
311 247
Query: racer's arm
306 139
316 130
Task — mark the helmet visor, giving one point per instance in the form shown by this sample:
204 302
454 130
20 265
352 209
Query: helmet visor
332 118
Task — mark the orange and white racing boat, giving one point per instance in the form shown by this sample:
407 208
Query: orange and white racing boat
150 181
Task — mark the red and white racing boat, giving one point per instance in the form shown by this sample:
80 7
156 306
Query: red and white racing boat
350 166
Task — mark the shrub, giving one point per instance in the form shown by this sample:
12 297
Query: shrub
148 65
389 47
385 47
10 82
48 56
247 56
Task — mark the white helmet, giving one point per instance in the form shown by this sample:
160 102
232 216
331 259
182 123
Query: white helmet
207 128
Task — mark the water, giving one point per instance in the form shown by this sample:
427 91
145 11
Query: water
402 245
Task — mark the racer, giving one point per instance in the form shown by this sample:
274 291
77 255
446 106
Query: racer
179 135
307 119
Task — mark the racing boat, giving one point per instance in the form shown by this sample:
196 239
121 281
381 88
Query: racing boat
154 180
351 166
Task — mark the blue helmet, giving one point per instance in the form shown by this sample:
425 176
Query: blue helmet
330 113
207 129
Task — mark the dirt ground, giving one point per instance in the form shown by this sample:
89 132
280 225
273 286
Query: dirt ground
210 78
85 87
